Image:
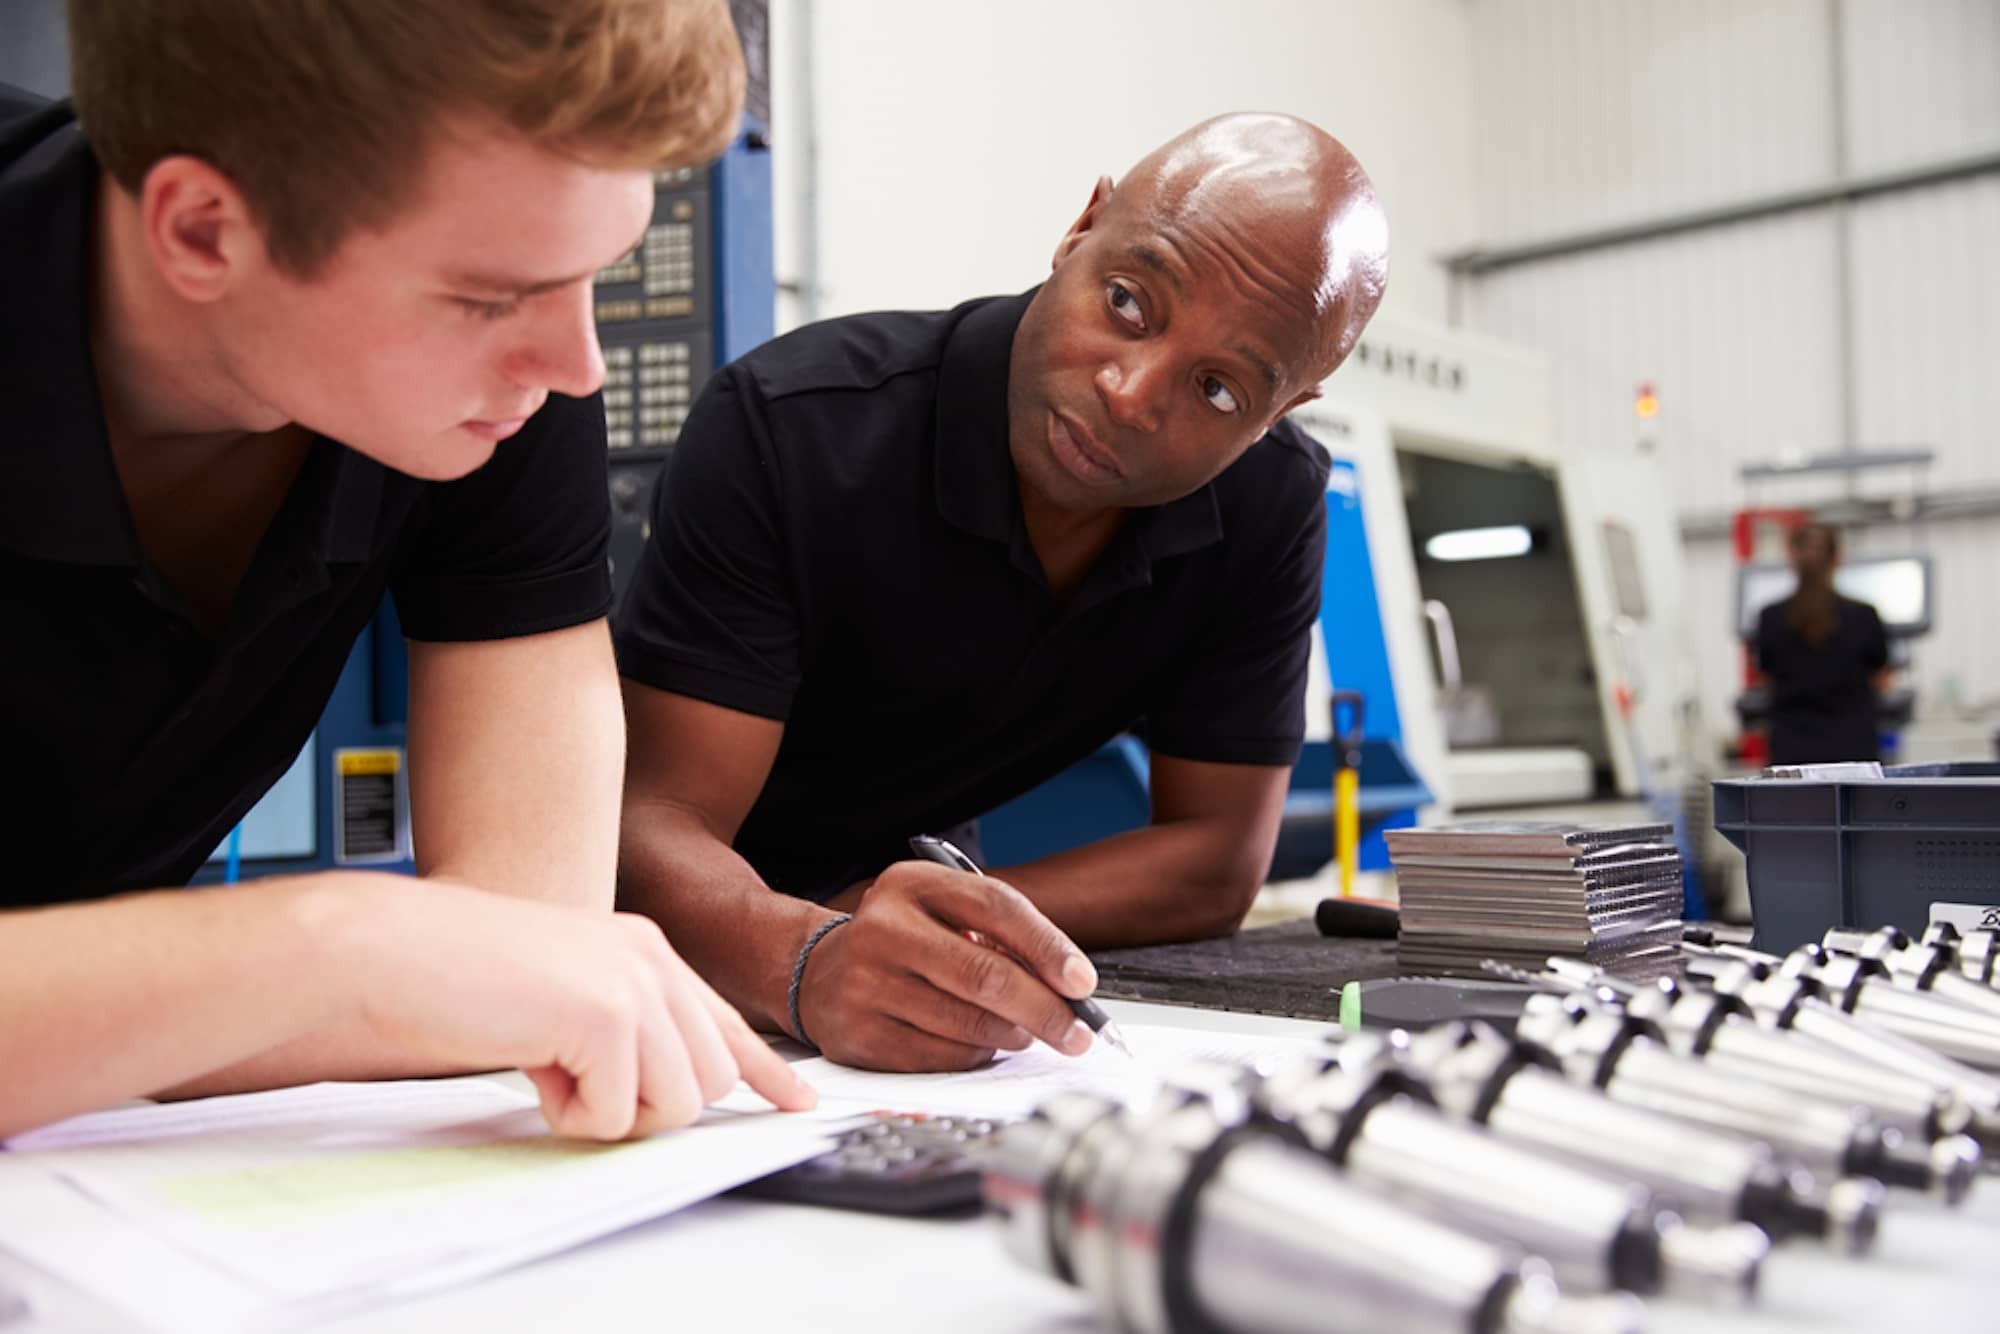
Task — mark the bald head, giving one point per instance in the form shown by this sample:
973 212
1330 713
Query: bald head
1189 308
1294 195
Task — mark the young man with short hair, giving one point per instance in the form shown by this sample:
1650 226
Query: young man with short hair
296 310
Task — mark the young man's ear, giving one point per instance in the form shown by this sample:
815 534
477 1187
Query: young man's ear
198 229
1100 194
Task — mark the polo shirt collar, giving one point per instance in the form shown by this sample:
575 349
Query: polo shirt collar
60 497
976 486
1180 526
344 531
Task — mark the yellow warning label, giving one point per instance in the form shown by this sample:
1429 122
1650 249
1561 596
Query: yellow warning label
357 763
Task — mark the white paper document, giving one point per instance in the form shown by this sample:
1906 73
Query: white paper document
272 1208
1014 1082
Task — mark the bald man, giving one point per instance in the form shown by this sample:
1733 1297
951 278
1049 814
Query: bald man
906 566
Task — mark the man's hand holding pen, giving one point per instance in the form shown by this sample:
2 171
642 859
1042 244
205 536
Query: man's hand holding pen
900 987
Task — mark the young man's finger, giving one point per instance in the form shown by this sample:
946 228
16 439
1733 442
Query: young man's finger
598 1096
669 1093
686 1000
762 1068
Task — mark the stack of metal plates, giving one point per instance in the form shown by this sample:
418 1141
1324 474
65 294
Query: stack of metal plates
1519 892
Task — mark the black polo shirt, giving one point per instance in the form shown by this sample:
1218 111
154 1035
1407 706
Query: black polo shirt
133 740
839 544
1823 695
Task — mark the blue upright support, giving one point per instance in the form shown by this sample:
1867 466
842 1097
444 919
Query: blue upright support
739 196
1357 658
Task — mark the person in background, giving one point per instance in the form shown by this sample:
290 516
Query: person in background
296 310
905 566
1824 658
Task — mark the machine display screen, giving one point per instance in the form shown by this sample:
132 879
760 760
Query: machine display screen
1898 587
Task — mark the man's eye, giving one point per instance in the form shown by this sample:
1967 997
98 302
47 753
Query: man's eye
1125 306
1218 394
487 310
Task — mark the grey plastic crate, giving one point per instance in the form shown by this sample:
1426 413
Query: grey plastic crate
1863 852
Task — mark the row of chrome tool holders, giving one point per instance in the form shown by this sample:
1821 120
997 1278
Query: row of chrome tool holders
1627 1140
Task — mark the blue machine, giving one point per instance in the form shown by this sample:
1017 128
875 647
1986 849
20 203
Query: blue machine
1357 658
297 825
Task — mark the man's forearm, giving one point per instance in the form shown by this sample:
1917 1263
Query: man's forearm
1182 880
717 912
116 999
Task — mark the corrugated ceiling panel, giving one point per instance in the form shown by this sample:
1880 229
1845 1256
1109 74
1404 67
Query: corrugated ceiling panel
1735 329
1597 111
1927 324
1923 80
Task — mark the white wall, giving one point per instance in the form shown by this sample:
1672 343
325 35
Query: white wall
1593 112
957 141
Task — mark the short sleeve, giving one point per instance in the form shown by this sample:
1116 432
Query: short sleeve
711 612
520 545
1875 640
1241 697
1765 649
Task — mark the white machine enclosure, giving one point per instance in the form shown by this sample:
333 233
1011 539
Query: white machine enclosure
1413 388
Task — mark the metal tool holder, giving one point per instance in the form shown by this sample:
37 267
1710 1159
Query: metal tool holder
1759 1026
1721 1030
1628 1138
1602 1044
1518 1091
1366 1110
1188 1217
1973 953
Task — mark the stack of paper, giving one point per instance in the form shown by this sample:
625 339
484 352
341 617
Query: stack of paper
1519 892
279 1208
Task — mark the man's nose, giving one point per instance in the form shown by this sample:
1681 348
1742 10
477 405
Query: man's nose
1133 389
562 353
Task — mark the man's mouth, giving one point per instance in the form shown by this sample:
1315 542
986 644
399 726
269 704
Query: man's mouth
495 431
1080 453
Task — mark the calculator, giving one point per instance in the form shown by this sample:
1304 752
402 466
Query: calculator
911 1165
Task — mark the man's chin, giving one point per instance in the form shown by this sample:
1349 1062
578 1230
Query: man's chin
447 457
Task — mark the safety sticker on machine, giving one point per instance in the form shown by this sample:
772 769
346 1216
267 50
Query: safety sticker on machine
370 823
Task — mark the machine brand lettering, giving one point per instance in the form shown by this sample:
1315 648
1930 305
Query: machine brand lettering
1422 367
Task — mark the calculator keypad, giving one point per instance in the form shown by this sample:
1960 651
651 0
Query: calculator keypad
892 1164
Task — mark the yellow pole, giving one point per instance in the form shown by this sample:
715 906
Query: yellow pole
1347 826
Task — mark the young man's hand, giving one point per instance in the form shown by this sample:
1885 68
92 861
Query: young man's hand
937 971
617 1033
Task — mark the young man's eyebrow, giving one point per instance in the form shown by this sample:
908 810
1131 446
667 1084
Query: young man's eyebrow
517 286
497 284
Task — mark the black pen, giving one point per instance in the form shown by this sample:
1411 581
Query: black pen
941 851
